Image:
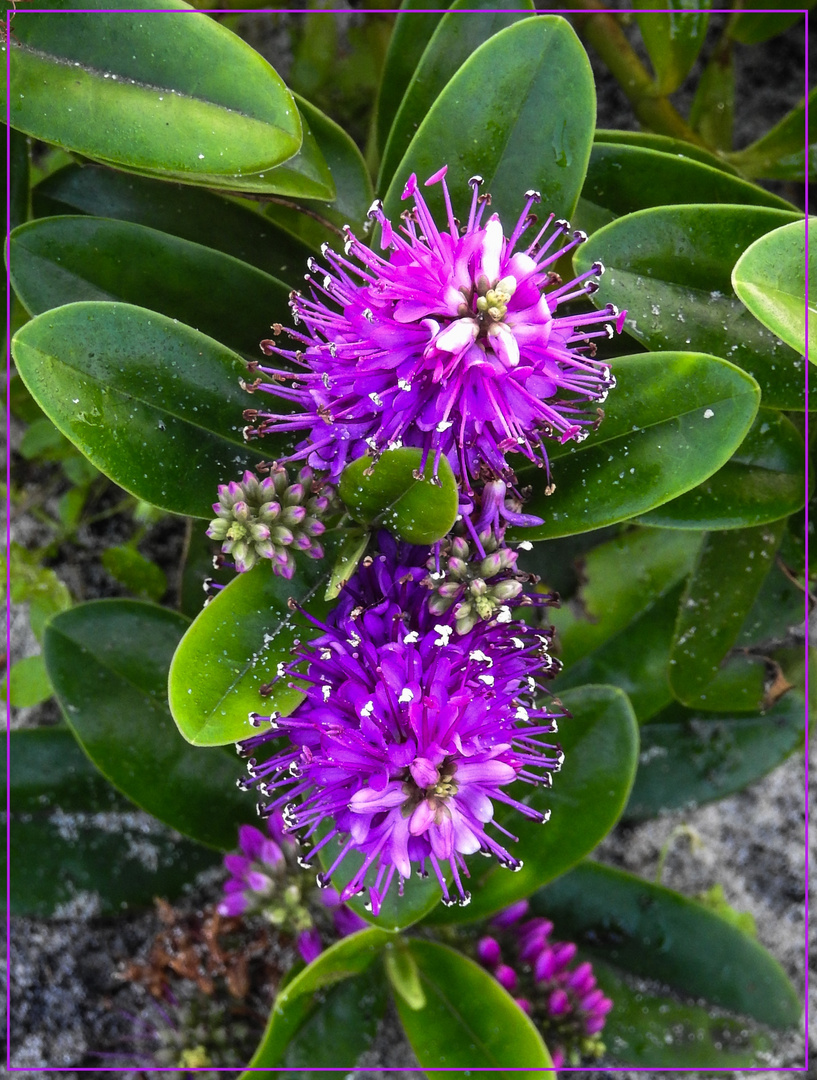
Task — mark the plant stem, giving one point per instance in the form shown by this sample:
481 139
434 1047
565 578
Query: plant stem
602 30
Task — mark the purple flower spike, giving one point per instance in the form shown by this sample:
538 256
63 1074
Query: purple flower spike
409 733
449 342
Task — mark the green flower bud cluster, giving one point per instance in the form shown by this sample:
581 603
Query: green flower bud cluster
481 588
272 518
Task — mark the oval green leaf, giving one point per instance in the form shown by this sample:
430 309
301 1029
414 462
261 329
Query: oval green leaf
109 660
499 92
770 279
454 40
348 957
419 508
100 860
153 404
469 1020
62 260
178 94
657 933
729 572
622 179
673 420
190 213
765 479
670 268
689 757
600 744
214 687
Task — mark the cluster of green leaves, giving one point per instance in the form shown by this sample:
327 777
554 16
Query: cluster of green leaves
146 280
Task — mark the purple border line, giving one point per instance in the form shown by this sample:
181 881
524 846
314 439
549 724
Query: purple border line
300 11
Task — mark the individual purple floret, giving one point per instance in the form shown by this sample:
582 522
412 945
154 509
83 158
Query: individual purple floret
450 343
272 518
564 1002
409 733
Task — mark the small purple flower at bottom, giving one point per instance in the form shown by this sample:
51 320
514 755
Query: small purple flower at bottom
564 1002
409 733
450 343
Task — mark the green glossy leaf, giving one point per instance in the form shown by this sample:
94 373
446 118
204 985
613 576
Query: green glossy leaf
673 420
648 1029
753 27
120 82
672 38
670 268
721 590
315 222
419 508
155 405
622 179
770 279
341 1027
635 660
469 1020
91 855
712 113
350 552
108 661
61 260
657 933
28 683
763 480
690 757
778 608
411 34
213 690
738 686
600 744
781 153
19 172
665 144
348 957
608 601
420 895
499 92
454 40
130 568
190 213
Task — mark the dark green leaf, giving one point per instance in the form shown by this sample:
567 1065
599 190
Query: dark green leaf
781 153
670 268
690 757
98 859
770 279
646 1029
730 569
61 260
454 40
664 143
21 403
177 95
600 744
655 932
419 509
753 27
142 577
672 38
739 686
353 194
348 957
108 660
622 179
763 480
19 169
29 683
500 92
213 689
469 1020
155 405
778 608
412 32
673 420
190 213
